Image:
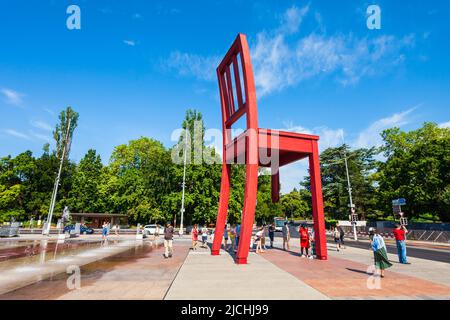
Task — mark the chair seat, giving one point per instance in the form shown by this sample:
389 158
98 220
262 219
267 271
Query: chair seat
290 146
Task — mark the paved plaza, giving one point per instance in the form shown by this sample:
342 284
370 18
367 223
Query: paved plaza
132 269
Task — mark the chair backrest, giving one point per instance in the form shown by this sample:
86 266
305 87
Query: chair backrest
237 86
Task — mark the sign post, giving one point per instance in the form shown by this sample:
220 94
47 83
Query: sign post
397 208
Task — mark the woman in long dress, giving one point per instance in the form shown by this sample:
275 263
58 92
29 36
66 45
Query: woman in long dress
379 252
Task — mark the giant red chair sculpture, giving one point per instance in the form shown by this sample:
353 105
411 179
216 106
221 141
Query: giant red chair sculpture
238 98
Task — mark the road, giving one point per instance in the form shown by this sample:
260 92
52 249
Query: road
423 252
417 250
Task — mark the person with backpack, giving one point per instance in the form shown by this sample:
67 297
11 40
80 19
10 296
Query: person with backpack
337 238
168 241
271 234
341 236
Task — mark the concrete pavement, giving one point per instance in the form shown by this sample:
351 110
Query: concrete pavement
278 274
140 272
204 277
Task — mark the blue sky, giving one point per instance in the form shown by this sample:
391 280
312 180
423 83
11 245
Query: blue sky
136 66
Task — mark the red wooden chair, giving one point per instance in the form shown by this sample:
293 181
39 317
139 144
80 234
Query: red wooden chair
258 147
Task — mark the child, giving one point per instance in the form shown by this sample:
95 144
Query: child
204 237
312 240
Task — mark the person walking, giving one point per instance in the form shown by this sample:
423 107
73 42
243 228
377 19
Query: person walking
341 236
379 251
105 232
204 237
168 241
400 237
238 233
225 238
271 234
263 237
233 237
194 237
337 238
286 237
304 241
258 238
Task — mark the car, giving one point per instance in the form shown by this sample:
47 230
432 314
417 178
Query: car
83 229
153 229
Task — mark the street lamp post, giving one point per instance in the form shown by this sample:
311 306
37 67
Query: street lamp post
184 184
353 217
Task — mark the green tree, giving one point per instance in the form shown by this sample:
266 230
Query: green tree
293 205
362 166
144 174
417 169
84 195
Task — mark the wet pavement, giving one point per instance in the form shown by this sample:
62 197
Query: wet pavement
30 248
129 270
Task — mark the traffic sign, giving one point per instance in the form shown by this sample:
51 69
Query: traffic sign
399 202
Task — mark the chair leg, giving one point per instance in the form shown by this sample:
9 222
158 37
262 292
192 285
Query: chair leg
223 209
276 187
317 203
248 214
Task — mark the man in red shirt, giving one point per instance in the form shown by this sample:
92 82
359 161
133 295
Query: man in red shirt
400 236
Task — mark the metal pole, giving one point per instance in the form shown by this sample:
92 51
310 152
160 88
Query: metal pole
355 236
46 231
184 182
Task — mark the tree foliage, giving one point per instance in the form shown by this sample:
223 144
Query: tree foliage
142 180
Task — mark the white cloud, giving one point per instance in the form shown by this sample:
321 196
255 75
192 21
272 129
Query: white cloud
329 138
17 134
445 125
186 64
41 125
131 43
346 58
49 111
12 97
292 174
371 136
292 19
41 137
283 58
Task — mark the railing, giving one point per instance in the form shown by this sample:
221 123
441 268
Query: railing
429 236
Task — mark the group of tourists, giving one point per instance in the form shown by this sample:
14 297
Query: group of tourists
307 240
